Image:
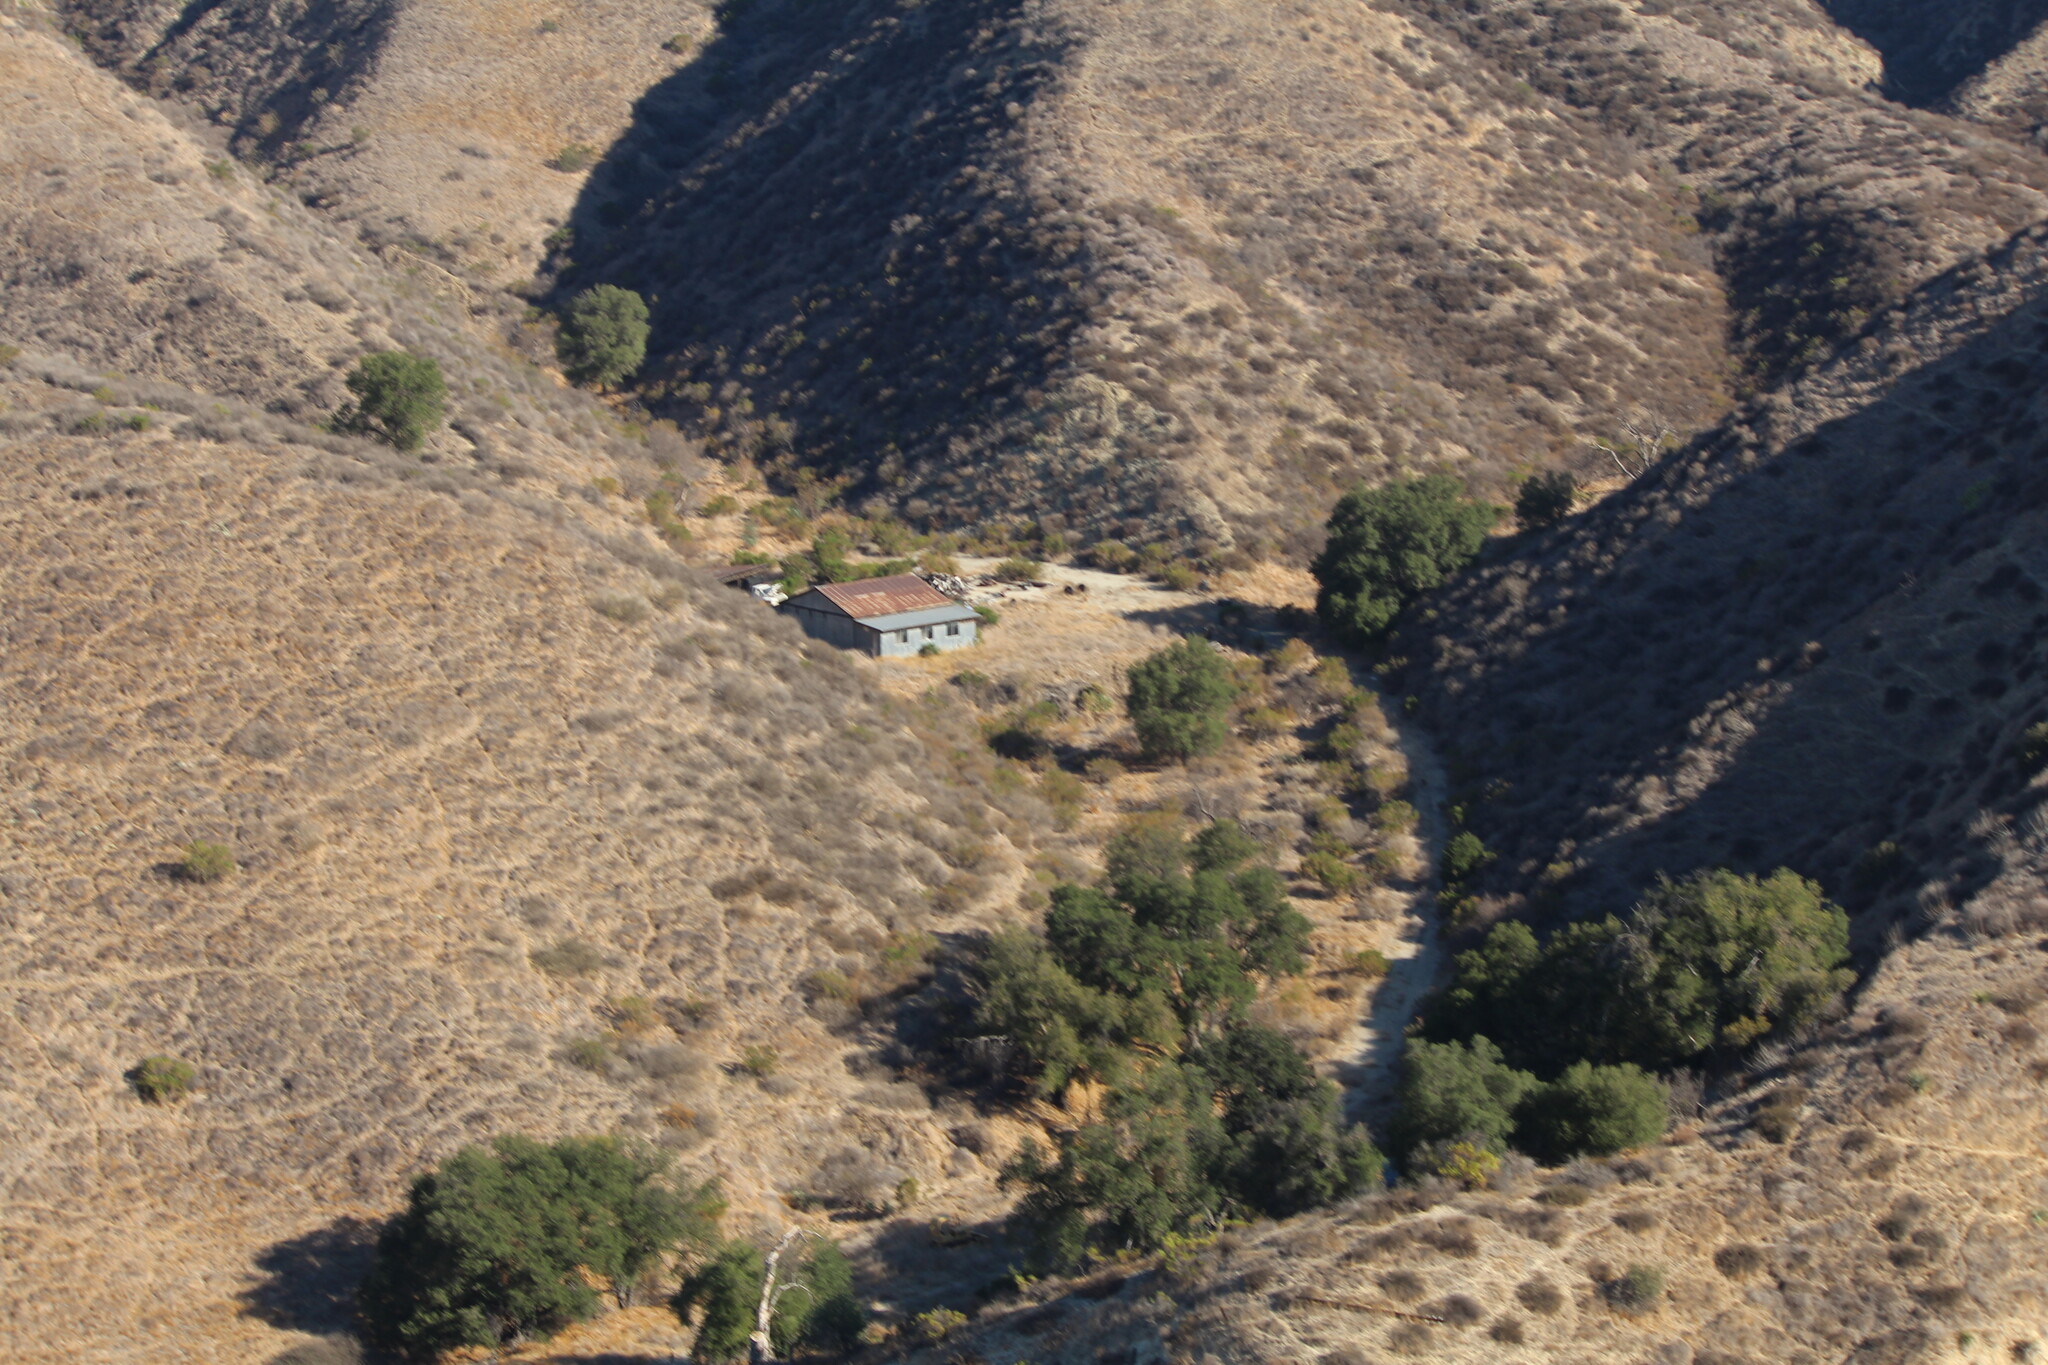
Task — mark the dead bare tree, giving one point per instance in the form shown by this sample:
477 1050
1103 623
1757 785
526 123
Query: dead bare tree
1644 438
760 1346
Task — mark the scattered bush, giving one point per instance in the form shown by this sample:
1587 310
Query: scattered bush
513 1240
1545 500
2033 748
400 398
162 1080
1739 1260
575 157
1369 963
759 1060
1390 544
1017 571
1539 1296
1637 1290
604 335
1464 855
1113 556
935 1325
1777 1118
1179 701
1264 722
568 957
205 861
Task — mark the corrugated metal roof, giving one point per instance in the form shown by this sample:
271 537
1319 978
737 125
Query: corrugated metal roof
883 596
930 616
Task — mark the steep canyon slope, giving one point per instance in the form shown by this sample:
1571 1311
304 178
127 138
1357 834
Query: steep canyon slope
1178 271
536 829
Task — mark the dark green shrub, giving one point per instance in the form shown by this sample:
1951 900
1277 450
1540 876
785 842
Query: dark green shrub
604 335
1545 500
504 1242
1592 1111
1638 1289
1451 1091
1390 544
1016 570
1464 854
162 1080
1179 701
814 1304
205 861
1715 960
400 398
759 1061
728 1290
1158 964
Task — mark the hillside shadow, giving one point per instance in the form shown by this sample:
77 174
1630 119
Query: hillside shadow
827 209
1930 49
306 58
309 1281
1755 660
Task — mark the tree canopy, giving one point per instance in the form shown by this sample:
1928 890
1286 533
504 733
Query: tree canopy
1142 984
1388 545
400 398
1715 959
1179 701
508 1241
604 335
814 1302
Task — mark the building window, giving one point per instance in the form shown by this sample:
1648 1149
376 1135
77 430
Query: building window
953 628
903 636
927 632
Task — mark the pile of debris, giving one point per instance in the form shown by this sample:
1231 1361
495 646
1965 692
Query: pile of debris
952 585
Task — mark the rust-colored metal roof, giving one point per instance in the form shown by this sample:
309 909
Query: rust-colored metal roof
884 596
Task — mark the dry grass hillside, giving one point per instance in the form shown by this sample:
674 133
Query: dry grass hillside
1175 273
1812 634
440 126
489 780
536 829
1877 1196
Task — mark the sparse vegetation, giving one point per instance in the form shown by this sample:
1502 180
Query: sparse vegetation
574 158
567 957
206 861
162 1080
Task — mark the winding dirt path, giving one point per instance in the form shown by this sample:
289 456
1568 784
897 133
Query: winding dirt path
1372 1049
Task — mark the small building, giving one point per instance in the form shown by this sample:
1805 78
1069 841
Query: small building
886 617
